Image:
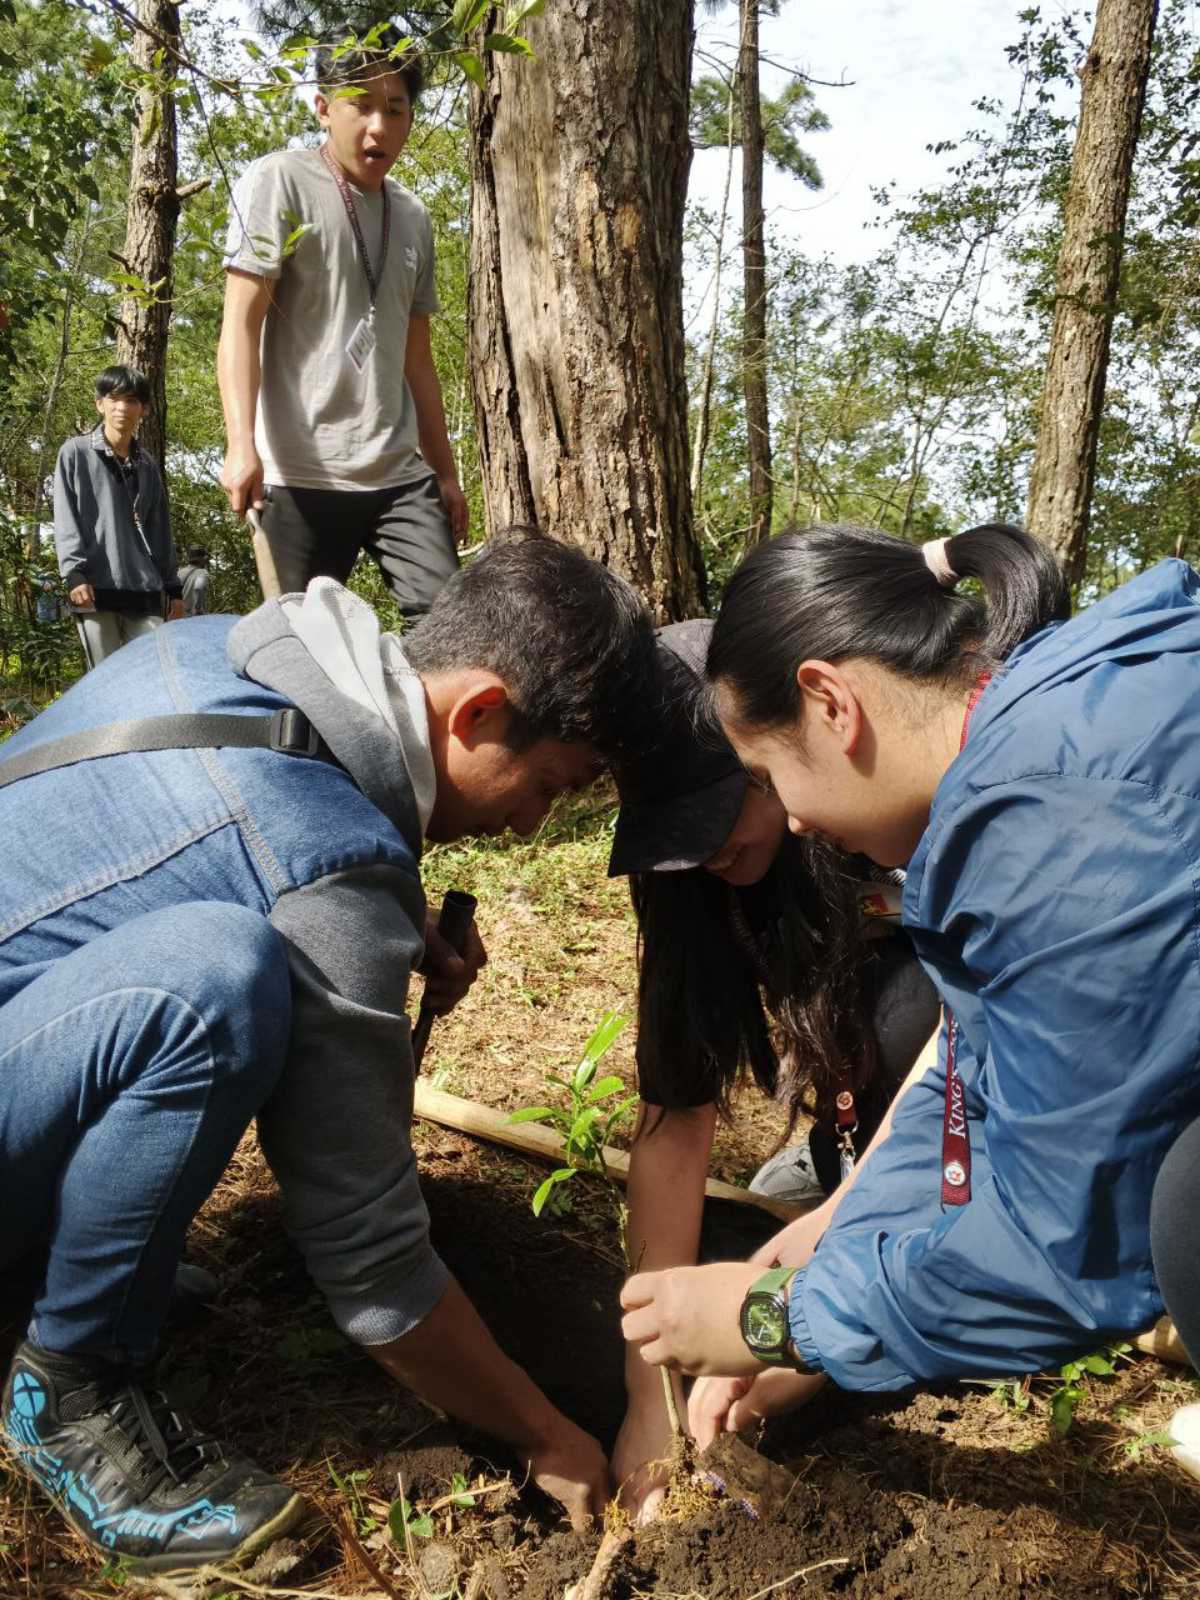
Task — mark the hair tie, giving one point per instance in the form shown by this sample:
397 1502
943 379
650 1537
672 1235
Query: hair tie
934 551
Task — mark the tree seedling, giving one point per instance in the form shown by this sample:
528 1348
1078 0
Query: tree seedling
595 1108
1071 1390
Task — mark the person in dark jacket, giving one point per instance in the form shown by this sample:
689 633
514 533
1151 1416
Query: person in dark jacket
237 940
758 953
112 528
1028 1202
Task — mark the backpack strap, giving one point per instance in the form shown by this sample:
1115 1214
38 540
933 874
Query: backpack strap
288 731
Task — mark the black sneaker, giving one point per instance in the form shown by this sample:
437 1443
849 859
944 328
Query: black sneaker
133 1476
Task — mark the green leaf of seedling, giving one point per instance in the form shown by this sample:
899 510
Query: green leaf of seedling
1062 1407
581 1125
617 1115
507 44
458 1488
584 1073
559 1175
1097 1364
401 1515
611 1026
1149 1441
533 1114
605 1087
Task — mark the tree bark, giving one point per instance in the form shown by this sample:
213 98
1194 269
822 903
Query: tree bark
150 221
1089 264
754 271
579 173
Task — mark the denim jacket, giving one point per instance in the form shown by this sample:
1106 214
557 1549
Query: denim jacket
327 854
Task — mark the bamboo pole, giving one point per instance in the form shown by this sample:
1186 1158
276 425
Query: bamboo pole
485 1122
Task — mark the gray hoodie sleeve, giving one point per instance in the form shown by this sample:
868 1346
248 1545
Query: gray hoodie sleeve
69 541
336 1130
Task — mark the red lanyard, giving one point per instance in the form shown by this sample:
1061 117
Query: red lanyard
374 278
956 1141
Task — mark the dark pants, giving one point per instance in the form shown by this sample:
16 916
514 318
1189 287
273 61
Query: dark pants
904 1012
318 533
1173 1209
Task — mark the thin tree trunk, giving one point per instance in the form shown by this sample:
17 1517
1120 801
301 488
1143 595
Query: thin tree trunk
54 388
700 443
579 173
754 262
1089 264
151 217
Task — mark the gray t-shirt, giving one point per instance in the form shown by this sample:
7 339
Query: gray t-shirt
321 424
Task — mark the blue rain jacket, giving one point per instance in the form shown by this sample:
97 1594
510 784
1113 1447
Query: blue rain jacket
1054 900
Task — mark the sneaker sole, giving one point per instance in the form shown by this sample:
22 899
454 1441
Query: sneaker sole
282 1522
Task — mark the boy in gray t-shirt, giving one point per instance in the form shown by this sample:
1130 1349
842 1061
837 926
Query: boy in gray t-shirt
333 410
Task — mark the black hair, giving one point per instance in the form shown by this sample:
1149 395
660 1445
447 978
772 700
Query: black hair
121 381
197 552
353 66
571 641
837 590
734 979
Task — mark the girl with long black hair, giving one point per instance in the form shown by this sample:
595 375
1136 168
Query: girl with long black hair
759 954
1041 778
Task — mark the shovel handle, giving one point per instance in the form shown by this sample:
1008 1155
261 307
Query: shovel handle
268 578
454 922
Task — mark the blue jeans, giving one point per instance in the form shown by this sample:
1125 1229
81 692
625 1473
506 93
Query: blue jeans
129 1069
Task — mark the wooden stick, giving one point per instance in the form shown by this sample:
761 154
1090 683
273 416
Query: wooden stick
268 578
485 1122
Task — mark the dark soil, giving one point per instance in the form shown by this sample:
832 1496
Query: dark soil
906 1498
940 1496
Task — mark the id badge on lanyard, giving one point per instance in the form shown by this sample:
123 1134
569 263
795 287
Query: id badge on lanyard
362 341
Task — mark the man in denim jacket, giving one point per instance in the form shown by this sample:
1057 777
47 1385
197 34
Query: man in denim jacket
235 939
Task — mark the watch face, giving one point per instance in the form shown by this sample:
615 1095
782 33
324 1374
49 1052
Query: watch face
764 1323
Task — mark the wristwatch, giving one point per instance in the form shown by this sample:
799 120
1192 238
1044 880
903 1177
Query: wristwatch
764 1320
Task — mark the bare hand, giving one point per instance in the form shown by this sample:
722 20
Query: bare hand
571 1468
175 611
242 480
455 502
731 1405
83 596
642 1453
688 1317
448 975
793 1246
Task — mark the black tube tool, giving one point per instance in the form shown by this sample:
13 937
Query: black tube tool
454 922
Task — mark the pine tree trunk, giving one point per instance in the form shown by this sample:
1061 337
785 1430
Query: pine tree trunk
1089 264
704 411
754 267
579 174
150 220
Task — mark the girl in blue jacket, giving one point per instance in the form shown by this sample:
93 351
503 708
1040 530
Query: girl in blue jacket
1041 778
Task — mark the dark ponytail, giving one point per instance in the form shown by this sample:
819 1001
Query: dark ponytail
837 590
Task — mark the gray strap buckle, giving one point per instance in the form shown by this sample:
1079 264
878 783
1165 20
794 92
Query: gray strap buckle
293 734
